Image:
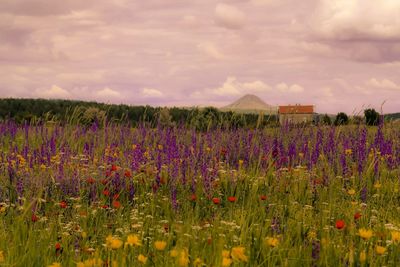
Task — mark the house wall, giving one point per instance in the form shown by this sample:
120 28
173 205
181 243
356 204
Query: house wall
295 118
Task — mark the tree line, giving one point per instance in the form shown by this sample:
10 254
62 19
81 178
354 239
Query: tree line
87 113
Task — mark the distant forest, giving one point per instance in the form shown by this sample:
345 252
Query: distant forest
82 112
86 113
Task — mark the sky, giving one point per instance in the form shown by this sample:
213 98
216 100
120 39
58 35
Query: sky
339 55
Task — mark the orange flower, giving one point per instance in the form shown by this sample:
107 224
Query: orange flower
216 200
340 224
63 204
116 204
231 199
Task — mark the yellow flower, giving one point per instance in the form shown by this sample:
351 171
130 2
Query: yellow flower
84 234
80 264
2 209
377 185
183 260
133 240
272 241
1 256
363 256
160 245
348 151
312 235
351 192
142 259
113 242
380 250
174 253
226 262
395 236
226 253
237 254
55 264
365 233
198 262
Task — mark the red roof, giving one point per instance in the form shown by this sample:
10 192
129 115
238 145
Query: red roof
297 109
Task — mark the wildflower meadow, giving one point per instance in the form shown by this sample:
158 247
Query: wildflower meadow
80 196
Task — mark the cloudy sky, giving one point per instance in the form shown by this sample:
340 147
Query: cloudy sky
341 55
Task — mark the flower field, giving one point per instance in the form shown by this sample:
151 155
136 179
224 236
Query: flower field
121 196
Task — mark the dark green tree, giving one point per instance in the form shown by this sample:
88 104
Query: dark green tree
341 119
326 120
371 117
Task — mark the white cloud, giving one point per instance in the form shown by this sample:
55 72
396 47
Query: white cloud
285 88
358 20
149 92
54 92
107 92
268 3
229 16
233 87
210 50
383 84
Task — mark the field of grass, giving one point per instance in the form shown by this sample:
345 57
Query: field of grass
119 196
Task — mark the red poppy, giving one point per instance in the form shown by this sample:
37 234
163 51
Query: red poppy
216 200
63 204
340 224
231 199
105 206
193 197
104 181
357 216
58 246
162 180
106 192
128 174
34 218
166 228
116 196
114 168
209 240
90 180
116 204
263 197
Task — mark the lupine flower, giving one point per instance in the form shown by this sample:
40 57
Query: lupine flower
160 245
